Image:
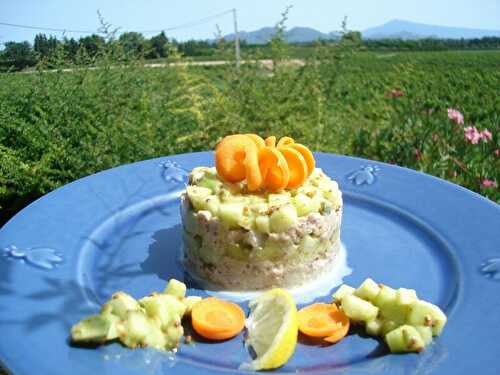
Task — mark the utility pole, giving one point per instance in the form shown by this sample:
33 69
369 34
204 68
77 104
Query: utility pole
236 39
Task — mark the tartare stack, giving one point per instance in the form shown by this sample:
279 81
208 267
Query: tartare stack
263 217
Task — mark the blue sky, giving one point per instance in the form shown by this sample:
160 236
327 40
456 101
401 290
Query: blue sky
324 15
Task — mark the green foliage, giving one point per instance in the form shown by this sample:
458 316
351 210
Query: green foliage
57 126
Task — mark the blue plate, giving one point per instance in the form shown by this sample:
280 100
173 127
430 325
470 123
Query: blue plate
120 230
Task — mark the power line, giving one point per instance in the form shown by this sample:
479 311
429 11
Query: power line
46 28
181 26
200 21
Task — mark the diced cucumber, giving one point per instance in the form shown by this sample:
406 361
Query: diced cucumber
106 312
394 312
174 304
212 204
93 329
260 208
262 224
155 339
173 335
427 314
404 339
231 213
120 304
368 290
157 309
386 296
272 250
284 218
190 302
134 329
343 291
235 251
176 288
211 183
425 333
198 196
278 199
388 326
309 244
406 296
305 204
374 327
358 309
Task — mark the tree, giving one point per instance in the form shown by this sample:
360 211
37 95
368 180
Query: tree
71 47
92 44
19 55
158 46
133 43
44 46
353 37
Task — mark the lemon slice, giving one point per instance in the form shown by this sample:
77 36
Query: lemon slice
272 329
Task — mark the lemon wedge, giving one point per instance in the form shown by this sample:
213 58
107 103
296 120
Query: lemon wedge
272 329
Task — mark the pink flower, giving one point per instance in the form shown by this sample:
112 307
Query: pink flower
485 135
489 183
396 93
472 135
455 116
497 152
455 174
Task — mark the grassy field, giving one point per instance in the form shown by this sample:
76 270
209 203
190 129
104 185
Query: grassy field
56 127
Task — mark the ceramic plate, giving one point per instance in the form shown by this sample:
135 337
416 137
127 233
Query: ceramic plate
120 230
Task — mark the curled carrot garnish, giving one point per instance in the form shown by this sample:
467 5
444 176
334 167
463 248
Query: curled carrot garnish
271 141
263 163
236 158
297 166
274 169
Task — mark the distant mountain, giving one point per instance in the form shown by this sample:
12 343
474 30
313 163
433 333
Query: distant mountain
396 29
399 29
294 35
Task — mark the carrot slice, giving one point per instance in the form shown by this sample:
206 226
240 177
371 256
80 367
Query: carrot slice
307 155
216 319
236 158
274 169
319 320
340 333
257 139
271 141
285 141
297 166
